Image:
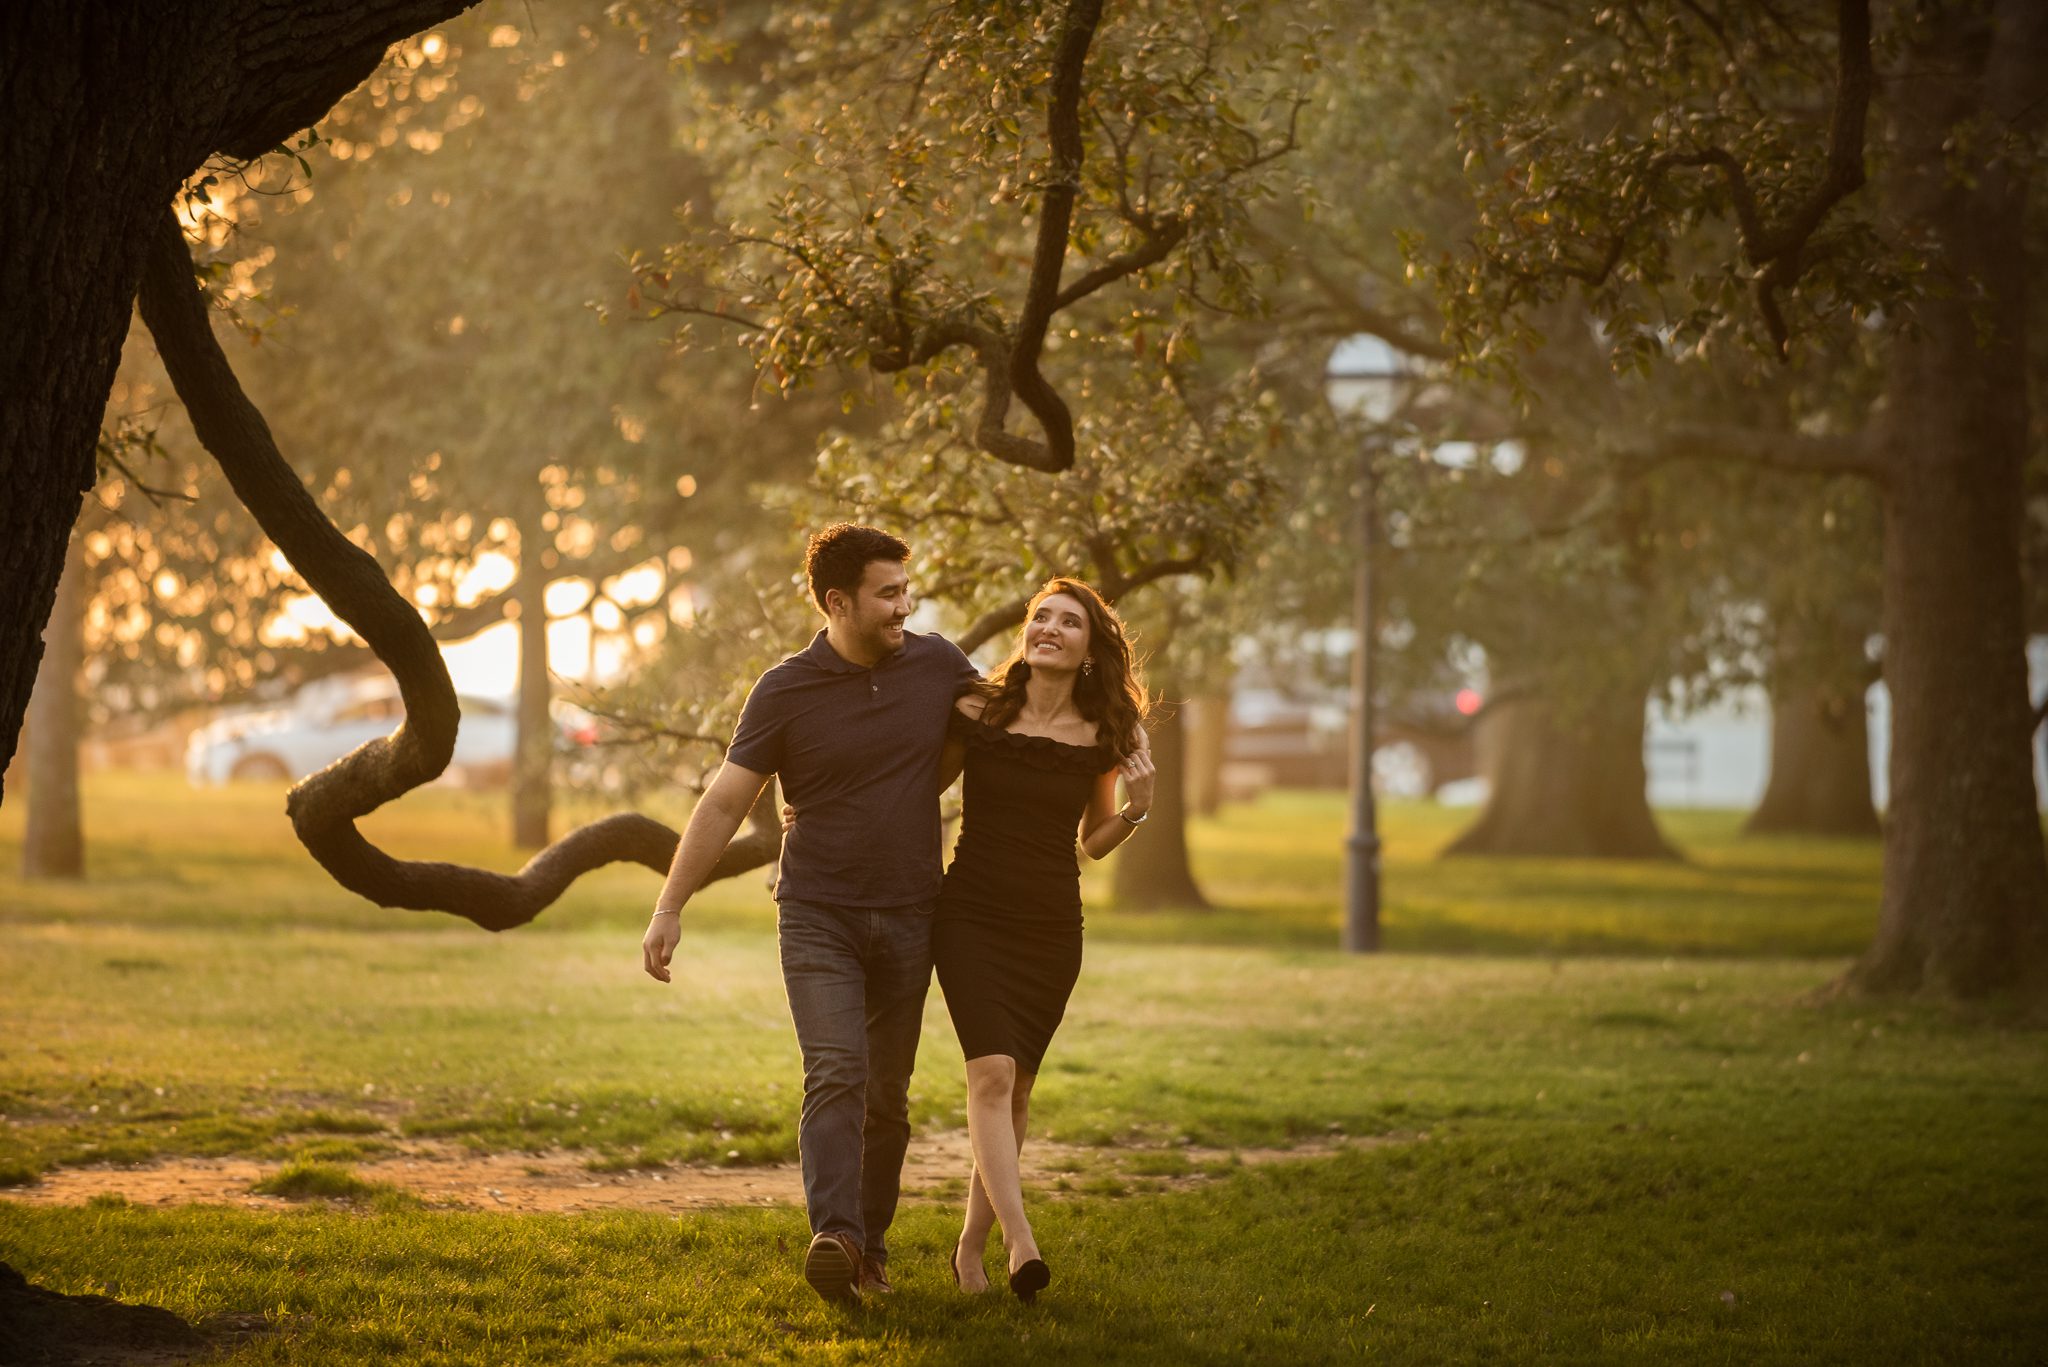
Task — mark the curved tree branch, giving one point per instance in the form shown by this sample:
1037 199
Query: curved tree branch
1798 452
1009 361
1055 223
1161 569
991 624
1113 583
1156 243
1778 253
325 807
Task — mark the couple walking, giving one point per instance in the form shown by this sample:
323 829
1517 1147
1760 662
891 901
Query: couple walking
866 727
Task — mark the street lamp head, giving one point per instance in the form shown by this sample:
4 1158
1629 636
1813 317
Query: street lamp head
1367 377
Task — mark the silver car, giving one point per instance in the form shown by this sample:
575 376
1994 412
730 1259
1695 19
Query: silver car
330 717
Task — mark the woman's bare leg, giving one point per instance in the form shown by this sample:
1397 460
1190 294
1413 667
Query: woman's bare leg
998 1105
981 1215
981 1218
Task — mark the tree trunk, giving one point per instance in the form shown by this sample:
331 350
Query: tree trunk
108 108
534 748
1565 780
53 845
1820 765
71 257
1964 909
1208 727
1152 870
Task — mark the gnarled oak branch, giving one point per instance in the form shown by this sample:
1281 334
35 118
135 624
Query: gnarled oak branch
325 807
1802 453
1111 581
1777 252
1055 223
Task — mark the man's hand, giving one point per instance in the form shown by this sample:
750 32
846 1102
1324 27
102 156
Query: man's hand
788 818
658 945
717 815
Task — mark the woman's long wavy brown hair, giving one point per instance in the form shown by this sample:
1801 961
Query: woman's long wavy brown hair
1112 695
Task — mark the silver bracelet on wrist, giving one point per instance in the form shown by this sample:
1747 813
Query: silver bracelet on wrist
1132 821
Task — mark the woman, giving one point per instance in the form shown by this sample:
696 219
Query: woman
1043 741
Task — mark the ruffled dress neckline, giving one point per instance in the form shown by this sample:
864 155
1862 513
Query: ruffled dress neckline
1041 751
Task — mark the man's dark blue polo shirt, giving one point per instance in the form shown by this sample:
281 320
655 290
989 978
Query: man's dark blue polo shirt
858 753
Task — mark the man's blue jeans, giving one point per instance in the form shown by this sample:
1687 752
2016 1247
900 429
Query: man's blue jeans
856 978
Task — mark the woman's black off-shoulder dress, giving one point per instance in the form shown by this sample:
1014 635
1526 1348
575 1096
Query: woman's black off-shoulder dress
1007 940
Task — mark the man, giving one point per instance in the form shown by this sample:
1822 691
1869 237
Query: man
854 725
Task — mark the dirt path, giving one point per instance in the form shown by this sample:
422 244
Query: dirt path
449 1176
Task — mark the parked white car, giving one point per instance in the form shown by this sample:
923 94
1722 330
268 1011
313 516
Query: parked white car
330 717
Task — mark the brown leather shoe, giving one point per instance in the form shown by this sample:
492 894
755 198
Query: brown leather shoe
874 1277
832 1267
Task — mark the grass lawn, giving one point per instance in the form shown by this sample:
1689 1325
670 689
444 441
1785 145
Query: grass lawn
1620 1127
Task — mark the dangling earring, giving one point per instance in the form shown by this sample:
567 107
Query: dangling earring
1087 664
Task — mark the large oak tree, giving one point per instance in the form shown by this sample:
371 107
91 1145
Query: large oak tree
113 108
126 107
1703 176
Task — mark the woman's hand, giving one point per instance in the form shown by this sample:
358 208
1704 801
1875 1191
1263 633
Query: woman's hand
1138 774
788 818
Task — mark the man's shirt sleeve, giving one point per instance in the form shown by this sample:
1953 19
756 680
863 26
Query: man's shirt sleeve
964 672
757 740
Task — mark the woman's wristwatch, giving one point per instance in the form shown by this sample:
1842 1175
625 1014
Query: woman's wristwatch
1137 820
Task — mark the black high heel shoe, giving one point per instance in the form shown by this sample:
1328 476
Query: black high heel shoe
1030 1279
953 1266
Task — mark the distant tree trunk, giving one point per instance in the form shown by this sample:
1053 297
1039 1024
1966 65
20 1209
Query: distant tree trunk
1964 909
1208 727
53 845
1820 765
1152 870
1567 781
534 748
2040 738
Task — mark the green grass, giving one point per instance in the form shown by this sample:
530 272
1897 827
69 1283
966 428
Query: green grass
1618 1123
163 855
300 1180
1274 870
1477 1245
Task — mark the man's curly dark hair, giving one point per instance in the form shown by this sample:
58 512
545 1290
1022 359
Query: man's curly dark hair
839 555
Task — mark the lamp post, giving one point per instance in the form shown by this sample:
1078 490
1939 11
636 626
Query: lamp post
1369 378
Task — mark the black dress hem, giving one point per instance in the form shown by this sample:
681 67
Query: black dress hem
1007 939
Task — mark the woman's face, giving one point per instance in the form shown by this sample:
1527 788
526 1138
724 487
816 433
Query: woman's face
1056 637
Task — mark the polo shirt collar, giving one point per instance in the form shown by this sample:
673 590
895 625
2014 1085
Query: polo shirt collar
821 654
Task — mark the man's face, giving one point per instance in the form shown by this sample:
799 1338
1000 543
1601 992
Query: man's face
879 606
